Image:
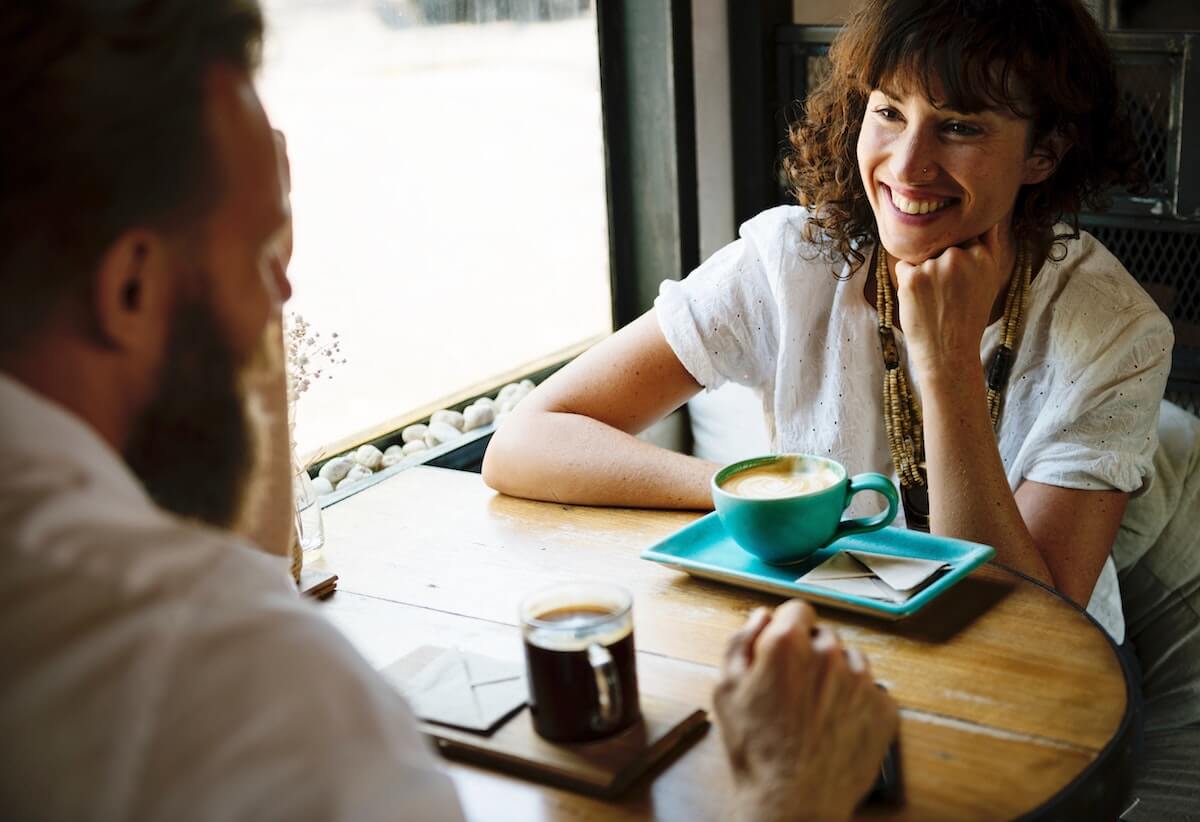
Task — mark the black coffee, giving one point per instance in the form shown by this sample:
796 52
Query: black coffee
564 695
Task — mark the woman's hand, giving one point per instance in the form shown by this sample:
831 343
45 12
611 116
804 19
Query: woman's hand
947 301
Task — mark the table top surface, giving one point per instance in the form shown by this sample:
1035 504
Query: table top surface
1008 693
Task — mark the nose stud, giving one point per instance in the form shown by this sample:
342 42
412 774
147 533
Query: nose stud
924 171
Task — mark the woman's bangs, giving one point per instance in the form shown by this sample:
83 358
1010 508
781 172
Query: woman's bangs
953 70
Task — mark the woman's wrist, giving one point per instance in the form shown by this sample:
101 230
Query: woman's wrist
944 370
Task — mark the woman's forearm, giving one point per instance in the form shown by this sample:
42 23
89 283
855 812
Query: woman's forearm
563 457
969 494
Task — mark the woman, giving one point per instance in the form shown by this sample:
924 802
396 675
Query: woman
925 310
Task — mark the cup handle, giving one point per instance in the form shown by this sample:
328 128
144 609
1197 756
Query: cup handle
608 687
869 482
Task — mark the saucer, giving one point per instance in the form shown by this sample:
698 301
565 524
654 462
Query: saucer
703 549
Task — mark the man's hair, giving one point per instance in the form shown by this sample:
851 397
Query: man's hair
104 130
1043 60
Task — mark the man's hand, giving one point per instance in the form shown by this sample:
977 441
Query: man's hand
803 722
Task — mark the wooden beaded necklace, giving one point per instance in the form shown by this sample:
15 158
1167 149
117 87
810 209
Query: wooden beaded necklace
901 413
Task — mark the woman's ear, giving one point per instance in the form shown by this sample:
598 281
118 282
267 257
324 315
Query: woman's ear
1045 157
130 303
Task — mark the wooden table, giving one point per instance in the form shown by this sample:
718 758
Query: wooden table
1012 699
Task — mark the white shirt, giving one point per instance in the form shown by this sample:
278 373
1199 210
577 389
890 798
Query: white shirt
1080 409
155 669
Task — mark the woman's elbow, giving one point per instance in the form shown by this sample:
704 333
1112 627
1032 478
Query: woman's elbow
502 468
495 465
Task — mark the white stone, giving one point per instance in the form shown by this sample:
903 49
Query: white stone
440 432
414 432
477 416
507 391
508 404
487 401
336 469
415 446
453 418
369 457
357 474
527 385
500 419
393 450
391 457
322 486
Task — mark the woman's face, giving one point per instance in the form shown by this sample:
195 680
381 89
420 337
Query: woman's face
938 178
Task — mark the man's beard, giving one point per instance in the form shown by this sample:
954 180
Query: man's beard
197 443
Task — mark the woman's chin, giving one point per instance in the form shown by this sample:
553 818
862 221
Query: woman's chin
911 253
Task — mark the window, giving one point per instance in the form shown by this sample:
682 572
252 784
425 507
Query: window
448 196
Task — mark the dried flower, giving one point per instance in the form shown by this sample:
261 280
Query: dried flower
310 357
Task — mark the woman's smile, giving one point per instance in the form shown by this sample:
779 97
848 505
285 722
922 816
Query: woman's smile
916 208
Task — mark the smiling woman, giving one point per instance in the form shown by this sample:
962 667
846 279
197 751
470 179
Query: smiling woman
952 145
1009 84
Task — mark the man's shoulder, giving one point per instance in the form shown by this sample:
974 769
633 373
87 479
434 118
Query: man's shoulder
191 656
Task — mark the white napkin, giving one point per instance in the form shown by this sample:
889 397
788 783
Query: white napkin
464 690
875 576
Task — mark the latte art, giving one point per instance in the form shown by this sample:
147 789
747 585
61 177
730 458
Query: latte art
782 479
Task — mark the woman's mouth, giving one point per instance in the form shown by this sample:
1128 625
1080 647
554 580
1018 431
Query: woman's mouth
914 207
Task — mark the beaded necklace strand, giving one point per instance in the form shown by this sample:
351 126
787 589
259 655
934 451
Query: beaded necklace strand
901 413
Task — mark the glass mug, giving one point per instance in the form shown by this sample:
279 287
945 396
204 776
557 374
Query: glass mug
580 661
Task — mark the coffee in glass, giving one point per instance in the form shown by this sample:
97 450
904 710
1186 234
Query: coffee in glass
580 661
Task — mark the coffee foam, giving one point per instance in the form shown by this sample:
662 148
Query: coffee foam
784 478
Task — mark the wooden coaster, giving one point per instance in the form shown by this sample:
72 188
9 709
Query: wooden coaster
604 768
317 582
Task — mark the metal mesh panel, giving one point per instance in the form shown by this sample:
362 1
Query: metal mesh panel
1146 92
1167 263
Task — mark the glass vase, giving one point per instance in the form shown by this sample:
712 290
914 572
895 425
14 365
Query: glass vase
310 529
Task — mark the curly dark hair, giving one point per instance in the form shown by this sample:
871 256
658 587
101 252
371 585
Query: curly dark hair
103 130
1044 60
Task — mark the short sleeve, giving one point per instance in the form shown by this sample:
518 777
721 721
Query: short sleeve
1098 428
722 320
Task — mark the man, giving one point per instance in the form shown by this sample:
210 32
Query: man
158 663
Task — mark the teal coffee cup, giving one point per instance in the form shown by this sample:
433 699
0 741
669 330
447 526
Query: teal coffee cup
782 508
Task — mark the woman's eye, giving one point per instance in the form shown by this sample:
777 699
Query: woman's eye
961 129
887 113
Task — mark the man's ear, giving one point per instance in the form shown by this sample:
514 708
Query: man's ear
1045 157
131 291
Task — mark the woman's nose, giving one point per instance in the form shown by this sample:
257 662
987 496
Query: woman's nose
914 159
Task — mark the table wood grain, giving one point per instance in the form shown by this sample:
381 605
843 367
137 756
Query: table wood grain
1007 692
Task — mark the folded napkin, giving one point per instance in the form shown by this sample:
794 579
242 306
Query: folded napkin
875 576
463 690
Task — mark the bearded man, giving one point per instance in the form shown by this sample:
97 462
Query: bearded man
157 661
157 664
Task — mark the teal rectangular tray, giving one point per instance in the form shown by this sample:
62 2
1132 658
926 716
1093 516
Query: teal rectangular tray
703 549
